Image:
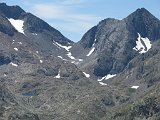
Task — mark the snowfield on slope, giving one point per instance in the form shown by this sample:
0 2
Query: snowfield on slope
142 44
18 25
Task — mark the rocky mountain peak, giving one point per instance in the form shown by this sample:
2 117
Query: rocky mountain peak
142 13
32 26
112 41
143 22
11 11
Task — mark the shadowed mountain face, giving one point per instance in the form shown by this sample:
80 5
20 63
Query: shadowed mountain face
114 41
38 80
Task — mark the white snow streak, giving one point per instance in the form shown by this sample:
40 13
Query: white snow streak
69 54
135 87
18 24
110 76
142 44
56 45
13 64
87 75
91 51
62 58
65 47
107 77
102 83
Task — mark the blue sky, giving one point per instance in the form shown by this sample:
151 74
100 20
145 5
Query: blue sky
74 17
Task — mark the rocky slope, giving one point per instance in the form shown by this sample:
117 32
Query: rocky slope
39 33
39 82
111 42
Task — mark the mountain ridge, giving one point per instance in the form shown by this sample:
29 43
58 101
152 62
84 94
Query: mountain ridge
111 74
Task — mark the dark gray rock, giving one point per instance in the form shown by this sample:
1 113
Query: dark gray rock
11 11
115 40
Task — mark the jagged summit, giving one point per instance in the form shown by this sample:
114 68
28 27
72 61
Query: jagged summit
145 23
11 11
141 12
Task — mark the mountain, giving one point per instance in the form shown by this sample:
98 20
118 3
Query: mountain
35 84
111 74
111 42
47 38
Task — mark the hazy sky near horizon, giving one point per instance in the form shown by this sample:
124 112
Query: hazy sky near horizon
74 17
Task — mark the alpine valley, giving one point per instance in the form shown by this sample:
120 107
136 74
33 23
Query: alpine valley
112 73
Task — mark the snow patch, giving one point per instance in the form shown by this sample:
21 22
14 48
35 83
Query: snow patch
101 78
13 42
142 44
94 42
13 64
37 52
91 51
58 76
41 61
80 60
5 75
135 87
18 24
69 54
102 83
65 47
87 75
107 77
110 76
16 49
20 43
62 58
34 33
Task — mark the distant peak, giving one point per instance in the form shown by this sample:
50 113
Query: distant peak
141 13
11 11
142 10
5 5
2 3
